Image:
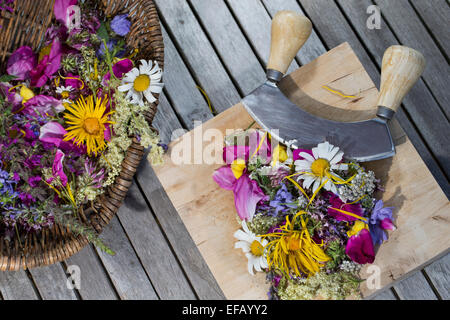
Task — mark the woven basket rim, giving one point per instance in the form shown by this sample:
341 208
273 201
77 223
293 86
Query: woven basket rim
57 243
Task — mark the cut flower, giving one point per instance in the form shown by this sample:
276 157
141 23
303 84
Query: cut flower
253 247
317 169
142 82
88 122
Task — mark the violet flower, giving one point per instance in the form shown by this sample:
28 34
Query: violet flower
7 184
121 25
283 200
380 220
97 176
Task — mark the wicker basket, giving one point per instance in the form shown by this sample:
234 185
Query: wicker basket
27 26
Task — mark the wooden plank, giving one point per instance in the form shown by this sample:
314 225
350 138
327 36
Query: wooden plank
422 218
385 295
194 265
230 43
435 14
181 88
206 67
439 274
256 23
152 248
51 283
334 30
415 287
166 121
314 47
411 32
15 285
94 283
124 268
430 124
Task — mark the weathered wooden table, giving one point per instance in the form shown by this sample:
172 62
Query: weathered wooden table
222 46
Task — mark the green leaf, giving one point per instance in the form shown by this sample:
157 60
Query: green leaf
6 78
102 32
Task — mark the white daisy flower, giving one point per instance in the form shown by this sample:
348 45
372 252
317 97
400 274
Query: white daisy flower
140 83
253 248
318 168
64 91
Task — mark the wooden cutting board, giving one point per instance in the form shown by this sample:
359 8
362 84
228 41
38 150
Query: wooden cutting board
422 212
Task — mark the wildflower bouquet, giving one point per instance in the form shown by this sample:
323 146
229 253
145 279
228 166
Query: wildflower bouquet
309 218
67 116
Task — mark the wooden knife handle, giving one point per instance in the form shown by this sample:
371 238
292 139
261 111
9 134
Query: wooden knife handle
401 68
290 30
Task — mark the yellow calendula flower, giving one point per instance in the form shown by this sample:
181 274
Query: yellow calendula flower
294 250
88 119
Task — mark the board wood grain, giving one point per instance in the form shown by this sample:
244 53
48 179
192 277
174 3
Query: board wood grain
422 210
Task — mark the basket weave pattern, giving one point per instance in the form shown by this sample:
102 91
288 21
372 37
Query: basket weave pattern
27 26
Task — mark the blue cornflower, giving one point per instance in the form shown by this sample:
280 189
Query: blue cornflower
121 25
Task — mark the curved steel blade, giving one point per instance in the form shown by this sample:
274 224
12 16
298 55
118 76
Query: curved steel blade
363 140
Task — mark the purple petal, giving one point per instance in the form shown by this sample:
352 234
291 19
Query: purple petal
57 167
231 153
21 62
224 177
52 132
264 150
296 153
43 104
60 9
387 224
360 248
247 194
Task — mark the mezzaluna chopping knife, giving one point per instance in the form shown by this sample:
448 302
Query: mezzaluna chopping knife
288 123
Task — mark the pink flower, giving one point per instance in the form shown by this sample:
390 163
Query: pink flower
43 105
120 68
21 62
336 202
53 133
360 247
224 177
60 10
47 66
57 168
246 191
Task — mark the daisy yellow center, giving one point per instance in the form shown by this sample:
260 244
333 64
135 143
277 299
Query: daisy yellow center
65 94
92 126
256 248
319 167
141 83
